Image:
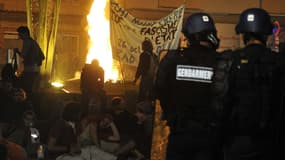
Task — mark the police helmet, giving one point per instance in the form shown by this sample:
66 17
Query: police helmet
201 27
198 22
255 20
23 31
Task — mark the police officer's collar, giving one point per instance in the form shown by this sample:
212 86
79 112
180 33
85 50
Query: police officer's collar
205 44
254 41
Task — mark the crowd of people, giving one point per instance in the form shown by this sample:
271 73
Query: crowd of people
226 105
97 127
111 133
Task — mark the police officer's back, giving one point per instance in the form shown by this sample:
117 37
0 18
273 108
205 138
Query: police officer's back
184 84
251 90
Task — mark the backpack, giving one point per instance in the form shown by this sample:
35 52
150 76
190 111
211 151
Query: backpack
39 56
252 92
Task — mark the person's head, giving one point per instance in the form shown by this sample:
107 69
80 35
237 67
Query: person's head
19 95
118 103
23 32
200 27
147 45
29 118
71 112
144 110
95 62
105 120
254 24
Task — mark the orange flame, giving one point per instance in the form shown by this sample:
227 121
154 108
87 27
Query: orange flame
100 45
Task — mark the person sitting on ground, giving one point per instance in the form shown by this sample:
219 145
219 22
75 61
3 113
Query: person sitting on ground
3 152
8 75
123 119
144 130
63 134
108 134
10 150
139 145
25 133
88 127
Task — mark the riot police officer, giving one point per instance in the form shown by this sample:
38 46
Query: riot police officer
184 87
252 88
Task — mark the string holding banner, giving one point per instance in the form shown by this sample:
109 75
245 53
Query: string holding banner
128 32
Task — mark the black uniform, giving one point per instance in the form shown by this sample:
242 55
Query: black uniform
186 90
253 84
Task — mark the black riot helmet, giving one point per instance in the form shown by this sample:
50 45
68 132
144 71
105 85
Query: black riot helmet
200 27
255 20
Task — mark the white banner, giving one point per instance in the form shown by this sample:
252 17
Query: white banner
128 33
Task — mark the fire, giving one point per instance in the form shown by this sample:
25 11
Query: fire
100 45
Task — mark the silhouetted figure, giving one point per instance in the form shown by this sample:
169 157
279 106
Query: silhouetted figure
8 75
32 58
146 69
92 85
253 84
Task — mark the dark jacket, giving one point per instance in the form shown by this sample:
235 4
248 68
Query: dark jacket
184 85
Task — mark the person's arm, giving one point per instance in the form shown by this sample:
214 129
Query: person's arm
142 66
53 147
116 134
93 133
53 138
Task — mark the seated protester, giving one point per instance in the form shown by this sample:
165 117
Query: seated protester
63 134
6 87
14 106
88 139
10 150
8 74
12 98
20 104
5 99
144 130
3 152
25 134
123 119
108 134
88 130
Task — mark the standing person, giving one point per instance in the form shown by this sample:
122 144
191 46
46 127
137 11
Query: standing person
92 84
32 58
251 91
146 69
186 86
